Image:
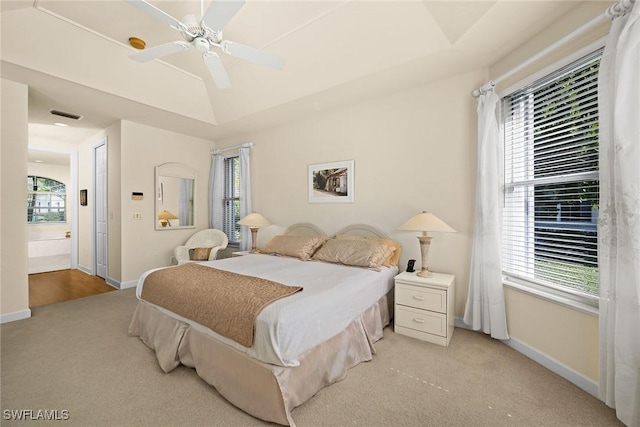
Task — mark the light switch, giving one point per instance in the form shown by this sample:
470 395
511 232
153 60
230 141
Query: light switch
136 215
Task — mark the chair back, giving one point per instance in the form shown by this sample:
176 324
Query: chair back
207 239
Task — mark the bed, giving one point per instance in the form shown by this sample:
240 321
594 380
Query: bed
301 343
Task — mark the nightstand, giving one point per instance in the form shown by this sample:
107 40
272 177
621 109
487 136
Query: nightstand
424 307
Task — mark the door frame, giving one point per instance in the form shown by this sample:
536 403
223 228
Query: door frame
71 196
94 228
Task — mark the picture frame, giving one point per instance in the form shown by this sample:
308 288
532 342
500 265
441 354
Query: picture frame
83 197
331 182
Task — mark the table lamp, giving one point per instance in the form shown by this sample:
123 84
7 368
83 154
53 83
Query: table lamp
165 216
254 221
425 222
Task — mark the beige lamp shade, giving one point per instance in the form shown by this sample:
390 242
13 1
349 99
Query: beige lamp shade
424 222
254 221
164 217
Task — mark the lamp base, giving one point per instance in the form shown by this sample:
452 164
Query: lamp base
425 242
424 273
254 239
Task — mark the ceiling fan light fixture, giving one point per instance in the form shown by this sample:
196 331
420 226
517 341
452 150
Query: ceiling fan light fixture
204 34
201 44
137 43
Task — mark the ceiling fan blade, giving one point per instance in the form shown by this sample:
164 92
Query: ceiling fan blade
220 13
156 13
214 64
251 54
161 50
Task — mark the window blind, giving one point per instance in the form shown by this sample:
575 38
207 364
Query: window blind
232 199
550 131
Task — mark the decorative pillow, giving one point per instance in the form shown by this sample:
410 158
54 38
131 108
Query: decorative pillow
354 252
199 254
301 247
393 258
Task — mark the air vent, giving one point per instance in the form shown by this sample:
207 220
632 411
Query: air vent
67 115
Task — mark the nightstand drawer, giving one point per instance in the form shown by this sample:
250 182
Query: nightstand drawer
421 297
421 320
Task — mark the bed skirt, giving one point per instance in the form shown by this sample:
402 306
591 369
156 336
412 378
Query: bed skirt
266 391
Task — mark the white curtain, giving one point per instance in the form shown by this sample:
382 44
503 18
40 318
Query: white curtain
485 307
619 221
245 195
216 192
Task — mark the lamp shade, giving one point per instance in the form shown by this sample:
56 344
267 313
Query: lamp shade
426 221
166 215
254 220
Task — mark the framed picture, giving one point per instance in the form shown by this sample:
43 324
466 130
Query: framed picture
83 197
331 182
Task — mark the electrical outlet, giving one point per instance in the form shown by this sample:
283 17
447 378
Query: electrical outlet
136 215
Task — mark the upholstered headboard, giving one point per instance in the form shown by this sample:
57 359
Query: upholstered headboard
364 230
305 229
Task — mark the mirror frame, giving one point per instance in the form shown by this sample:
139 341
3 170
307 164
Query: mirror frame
173 170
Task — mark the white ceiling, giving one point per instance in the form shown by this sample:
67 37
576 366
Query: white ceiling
74 56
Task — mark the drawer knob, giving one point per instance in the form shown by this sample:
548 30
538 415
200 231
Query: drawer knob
418 297
418 320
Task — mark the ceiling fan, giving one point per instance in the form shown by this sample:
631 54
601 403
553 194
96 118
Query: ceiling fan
204 36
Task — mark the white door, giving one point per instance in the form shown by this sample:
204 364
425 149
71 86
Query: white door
100 239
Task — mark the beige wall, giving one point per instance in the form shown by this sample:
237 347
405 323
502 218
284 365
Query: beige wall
133 152
14 290
114 202
563 334
578 16
144 148
413 151
85 213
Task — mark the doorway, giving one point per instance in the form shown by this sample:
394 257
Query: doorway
51 213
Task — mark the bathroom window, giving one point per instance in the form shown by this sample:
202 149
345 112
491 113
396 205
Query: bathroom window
46 200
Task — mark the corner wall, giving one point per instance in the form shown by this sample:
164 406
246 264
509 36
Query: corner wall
14 286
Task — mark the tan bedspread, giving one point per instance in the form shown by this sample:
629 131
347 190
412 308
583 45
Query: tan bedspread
227 303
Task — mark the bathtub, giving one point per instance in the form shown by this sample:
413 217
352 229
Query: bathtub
49 247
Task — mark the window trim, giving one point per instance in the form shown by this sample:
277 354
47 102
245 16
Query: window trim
584 303
588 304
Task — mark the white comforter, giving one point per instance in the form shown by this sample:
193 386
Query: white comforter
333 296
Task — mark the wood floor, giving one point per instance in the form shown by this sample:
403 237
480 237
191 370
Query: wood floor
64 285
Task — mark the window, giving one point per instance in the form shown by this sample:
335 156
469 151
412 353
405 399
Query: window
550 131
232 199
46 200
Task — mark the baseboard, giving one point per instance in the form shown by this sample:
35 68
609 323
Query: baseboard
553 365
129 284
84 269
113 282
548 362
16 315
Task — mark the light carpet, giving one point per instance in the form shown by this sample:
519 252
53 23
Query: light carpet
77 357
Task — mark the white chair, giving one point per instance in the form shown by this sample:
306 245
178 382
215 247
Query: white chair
211 238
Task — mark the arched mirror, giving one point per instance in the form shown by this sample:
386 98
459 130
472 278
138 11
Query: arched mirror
175 196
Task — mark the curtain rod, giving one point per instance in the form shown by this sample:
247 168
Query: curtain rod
221 150
620 8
